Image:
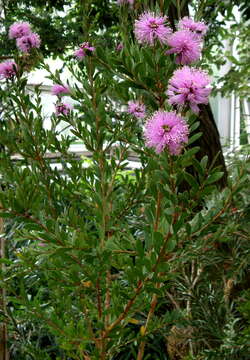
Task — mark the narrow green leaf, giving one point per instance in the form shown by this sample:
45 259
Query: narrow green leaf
214 177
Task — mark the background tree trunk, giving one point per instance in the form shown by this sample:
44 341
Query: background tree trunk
209 142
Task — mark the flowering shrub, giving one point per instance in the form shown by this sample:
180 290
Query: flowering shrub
109 259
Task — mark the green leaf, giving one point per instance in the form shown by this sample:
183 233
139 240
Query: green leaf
194 126
158 240
171 244
194 138
204 162
198 167
214 177
148 57
191 180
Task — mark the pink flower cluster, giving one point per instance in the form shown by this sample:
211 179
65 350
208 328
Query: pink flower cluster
58 90
166 130
8 69
63 109
25 38
150 28
84 49
185 45
189 86
186 42
198 28
26 43
137 109
18 30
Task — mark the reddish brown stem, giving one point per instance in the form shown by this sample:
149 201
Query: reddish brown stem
3 326
150 314
158 211
108 298
127 308
138 289
99 300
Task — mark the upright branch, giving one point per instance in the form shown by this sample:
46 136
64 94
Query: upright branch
3 325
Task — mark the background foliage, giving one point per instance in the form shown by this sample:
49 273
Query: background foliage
101 260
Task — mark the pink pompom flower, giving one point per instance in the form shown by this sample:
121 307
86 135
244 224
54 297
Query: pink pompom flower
189 86
58 89
199 28
185 45
27 42
63 109
8 69
137 109
166 130
85 48
150 28
18 30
